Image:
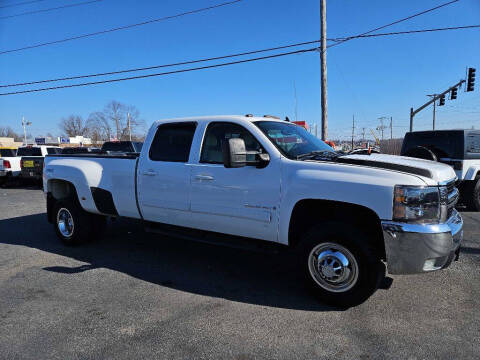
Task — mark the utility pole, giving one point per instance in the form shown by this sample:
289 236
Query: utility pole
391 127
353 128
25 124
296 103
363 134
323 67
129 127
382 126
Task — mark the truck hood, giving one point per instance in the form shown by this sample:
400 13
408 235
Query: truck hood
433 170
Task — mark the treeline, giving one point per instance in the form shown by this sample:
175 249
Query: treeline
115 121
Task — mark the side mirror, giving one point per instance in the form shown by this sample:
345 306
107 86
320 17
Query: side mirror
234 153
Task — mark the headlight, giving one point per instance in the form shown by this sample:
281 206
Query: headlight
417 204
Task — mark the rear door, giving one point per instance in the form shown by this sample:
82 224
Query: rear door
164 175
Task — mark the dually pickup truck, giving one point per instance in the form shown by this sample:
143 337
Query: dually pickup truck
256 179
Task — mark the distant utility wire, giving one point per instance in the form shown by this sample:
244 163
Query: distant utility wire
75 77
396 22
405 32
20 3
122 27
49 9
162 66
163 73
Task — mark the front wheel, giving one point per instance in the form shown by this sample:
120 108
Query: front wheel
472 195
341 267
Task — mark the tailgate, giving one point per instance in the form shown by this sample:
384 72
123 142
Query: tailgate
32 164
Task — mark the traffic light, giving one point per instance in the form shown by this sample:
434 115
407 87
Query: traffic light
471 79
442 100
453 94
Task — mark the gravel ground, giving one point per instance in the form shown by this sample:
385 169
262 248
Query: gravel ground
135 295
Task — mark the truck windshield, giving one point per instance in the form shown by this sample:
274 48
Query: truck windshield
29 151
292 140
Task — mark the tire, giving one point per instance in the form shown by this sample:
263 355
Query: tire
332 245
471 196
72 224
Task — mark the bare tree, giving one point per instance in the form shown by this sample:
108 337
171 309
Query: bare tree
74 125
8 132
116 120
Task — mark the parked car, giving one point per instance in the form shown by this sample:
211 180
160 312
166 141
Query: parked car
32 157
80 150
243 180
9 164
122 146
457 148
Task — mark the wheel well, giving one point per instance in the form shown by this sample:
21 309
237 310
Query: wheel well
61 189
58 190
309 212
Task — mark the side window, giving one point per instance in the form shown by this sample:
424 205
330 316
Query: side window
217 133
172 142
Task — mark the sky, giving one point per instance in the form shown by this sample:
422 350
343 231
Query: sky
367 78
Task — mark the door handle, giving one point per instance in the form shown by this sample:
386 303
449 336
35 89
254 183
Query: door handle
149 173
204 177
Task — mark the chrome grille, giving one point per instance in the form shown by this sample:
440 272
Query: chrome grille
450 197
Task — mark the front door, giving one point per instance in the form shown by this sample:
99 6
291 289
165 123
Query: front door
239 201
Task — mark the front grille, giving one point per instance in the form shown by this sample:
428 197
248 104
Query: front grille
450 197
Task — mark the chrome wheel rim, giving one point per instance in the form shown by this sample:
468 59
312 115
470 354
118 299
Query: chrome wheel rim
65 222
333 267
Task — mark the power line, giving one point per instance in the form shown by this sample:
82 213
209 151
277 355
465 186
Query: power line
49 9
228 56
396 22
161 74
161 66
122 27
21 3
407 32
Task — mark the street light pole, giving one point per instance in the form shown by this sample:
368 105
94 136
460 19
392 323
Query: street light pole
323 66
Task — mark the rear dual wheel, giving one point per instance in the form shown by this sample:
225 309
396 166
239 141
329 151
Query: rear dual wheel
73 225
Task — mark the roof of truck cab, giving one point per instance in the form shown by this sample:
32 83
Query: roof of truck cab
221 118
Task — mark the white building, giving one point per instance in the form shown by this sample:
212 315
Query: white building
80 140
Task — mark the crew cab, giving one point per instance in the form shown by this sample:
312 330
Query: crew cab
457 148
32 160
244 179
9 164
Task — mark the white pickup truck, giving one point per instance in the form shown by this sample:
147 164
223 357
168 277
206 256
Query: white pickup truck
235 179
9 164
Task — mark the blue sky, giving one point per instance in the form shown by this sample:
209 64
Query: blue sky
367 78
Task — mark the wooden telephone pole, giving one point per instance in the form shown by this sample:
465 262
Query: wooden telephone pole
323 66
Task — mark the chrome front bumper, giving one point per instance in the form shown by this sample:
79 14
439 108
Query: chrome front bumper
417 248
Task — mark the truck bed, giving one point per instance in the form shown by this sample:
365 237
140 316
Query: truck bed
105 183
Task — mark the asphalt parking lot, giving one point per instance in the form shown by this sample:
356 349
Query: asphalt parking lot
135 295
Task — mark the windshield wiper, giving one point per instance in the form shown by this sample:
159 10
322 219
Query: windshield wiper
323 154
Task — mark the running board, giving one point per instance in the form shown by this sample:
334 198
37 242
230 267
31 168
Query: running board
214 238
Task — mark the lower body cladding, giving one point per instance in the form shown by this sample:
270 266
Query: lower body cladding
418 248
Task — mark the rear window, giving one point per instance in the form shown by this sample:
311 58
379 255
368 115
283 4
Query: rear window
29 151
120 146
7 152
138 146
51 151
445 144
